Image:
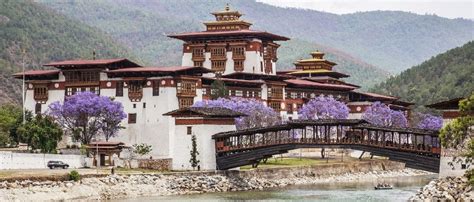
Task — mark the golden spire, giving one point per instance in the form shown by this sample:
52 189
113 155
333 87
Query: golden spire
317 54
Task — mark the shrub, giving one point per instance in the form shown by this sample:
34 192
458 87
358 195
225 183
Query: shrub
74 175
470 176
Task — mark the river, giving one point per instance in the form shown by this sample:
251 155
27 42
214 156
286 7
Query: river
404 188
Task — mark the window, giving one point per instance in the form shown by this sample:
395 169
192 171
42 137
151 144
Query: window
238 52
239 93
268 66
275 92
119 89
156 88
275 106
218 52
73 77
135 90
189 130
134 106
144 105
38 108
185 87
132 118
239 65
73 90
198 63
185 102
40 92
198 52
218 65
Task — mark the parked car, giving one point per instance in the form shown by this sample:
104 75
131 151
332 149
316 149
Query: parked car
57 164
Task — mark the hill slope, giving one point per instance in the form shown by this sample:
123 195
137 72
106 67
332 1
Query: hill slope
393 41
45 35
144 30
445 76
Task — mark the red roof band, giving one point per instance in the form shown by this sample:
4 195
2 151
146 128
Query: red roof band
204 34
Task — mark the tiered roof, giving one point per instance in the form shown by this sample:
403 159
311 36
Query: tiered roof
228 25
115 63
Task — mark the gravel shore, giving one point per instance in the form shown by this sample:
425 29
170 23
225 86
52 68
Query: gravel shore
129 186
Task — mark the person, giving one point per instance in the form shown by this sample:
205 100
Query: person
112 171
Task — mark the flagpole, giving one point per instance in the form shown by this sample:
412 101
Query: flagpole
23 86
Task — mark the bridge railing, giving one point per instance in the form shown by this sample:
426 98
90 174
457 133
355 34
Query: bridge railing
335 132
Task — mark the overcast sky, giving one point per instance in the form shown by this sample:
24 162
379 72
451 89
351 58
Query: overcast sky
444 8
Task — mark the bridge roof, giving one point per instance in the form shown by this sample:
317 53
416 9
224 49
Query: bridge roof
295 124
397 129
291 125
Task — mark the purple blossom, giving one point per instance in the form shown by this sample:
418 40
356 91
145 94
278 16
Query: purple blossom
324 108
381 115
85 115
258 115
430 122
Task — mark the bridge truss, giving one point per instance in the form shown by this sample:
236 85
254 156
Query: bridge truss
419 149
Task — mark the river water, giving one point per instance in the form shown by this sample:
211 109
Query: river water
404 188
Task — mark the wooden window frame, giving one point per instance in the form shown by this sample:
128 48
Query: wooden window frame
189 130
119 89
132 118
155 87
135 90
40 92
185 102
238 65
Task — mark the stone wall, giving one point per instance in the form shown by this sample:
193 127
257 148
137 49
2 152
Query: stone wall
155 164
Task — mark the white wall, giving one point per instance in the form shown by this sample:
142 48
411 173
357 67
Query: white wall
11 160
205 145
455 170
152 127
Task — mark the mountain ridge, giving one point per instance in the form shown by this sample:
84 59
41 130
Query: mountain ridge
445 76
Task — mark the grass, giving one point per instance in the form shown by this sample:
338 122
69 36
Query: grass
295 162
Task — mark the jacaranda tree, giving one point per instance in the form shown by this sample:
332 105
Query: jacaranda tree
258 115
381 115
86 115
324 108
430 122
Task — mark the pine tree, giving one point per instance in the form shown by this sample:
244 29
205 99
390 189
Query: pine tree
218 89
194 153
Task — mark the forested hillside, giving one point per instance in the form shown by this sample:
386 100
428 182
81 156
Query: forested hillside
361 73
393 41
45 35
445 76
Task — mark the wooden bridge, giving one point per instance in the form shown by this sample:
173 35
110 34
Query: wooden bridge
418 149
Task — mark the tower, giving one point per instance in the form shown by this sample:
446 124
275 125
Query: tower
228 45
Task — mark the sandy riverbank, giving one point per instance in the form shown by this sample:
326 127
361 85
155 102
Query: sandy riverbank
129 186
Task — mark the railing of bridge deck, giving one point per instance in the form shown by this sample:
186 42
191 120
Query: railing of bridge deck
331 134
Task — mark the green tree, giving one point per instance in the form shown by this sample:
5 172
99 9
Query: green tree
218 89
194 153
142 149
41 133
10 119
458 134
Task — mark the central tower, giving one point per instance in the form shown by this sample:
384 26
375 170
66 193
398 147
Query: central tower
229 45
